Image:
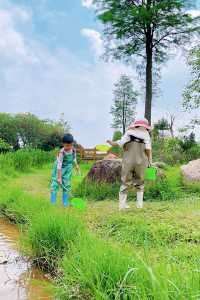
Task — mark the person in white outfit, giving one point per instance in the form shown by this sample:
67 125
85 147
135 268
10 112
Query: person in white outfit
137 156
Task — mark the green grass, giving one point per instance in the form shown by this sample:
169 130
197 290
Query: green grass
105 254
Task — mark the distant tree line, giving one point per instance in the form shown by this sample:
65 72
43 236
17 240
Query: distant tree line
27 130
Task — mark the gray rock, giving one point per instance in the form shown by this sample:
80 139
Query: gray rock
108 171
191 171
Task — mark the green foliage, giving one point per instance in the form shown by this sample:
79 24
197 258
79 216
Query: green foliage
51 236
124 106
146 29
161 125
188 142
31 131
191 93
128 258
175 150
8 129
117 150
97 191
24 160
128 24
4 146
117 135
168 188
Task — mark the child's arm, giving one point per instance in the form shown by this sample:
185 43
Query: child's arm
78 170
149 155
59 167
59 177
124 139
112 143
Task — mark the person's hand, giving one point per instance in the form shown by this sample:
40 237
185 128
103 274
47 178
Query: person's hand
59 180
109 142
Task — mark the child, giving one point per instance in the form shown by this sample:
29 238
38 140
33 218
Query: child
62 170
136 158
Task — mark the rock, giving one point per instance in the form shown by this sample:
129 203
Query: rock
111 156
106 170
191 171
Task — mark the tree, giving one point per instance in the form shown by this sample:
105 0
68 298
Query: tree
145 29
8 129
171 124
191 93
38 133
162 125
117 135
125 100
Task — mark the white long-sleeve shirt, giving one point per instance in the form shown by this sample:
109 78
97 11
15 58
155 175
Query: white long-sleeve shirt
140 133
61 155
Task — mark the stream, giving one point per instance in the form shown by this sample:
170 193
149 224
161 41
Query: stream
19 280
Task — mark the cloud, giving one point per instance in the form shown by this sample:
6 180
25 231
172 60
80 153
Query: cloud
87 3
95 39
194 13
13 46
50 82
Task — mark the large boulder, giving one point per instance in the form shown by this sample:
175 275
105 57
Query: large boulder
106 170
191 171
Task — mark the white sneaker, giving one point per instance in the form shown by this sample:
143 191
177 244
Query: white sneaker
123 201
139 201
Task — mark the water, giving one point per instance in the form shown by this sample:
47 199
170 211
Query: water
18 280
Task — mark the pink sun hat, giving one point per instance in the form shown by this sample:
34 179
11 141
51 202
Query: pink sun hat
141 123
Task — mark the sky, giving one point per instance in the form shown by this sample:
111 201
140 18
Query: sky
50 64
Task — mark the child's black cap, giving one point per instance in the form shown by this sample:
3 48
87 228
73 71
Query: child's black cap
68 138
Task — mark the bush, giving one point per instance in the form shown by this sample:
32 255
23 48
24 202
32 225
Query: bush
175 151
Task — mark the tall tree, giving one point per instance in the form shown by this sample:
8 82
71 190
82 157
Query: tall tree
191 93
146 29
124 106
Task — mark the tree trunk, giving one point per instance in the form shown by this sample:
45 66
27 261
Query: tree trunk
149 65
124 125
149 80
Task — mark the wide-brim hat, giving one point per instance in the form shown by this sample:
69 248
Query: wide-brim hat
141 123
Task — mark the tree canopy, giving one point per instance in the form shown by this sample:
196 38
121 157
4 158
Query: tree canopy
124 106
146 29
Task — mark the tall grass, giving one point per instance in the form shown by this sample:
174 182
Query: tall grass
90 268
24 160
163 189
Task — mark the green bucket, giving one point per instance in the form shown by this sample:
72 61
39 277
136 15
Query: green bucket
78 203
150 173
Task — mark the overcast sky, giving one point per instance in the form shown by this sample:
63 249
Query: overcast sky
49 64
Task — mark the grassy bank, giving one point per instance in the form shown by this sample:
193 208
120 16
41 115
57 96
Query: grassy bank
103 254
